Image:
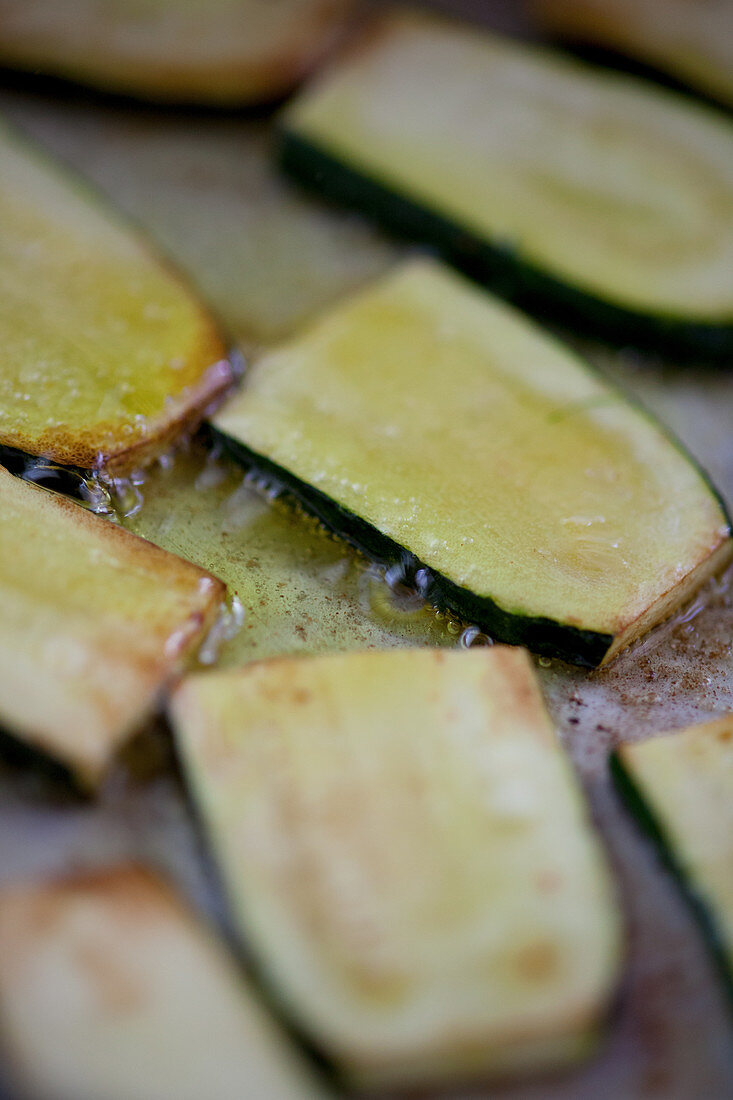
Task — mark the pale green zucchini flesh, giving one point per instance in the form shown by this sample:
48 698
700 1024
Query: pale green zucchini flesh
218 52
265 256
94 622
600 199
692 41
408 857
106 356
110 988
428 422
680 786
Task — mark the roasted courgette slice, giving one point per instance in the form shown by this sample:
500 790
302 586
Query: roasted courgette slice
689 40
680 787
265 256
425 419
111 990
594 196
408 856
105 355
94 621
223 52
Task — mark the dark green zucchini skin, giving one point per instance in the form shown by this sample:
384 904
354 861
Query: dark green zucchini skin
638 806
499 267
606 57
68 480
543 636
50 774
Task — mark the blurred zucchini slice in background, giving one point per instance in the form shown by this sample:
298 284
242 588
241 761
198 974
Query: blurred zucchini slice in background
408 856
680 787
94 622
110 988
218 52
106 355
426 421
691 41
594 197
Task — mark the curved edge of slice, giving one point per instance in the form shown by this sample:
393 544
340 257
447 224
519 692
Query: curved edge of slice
184 417
186 367
676 598
489 260
175 56
408 854
583 647
111 987
498 268
95 622
679 787
676 44
311 425
586 648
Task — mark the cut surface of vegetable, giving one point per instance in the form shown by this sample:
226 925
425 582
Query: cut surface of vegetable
689 40
408 855
201 51
109 987
596 197
425 418
264 255
106 356
680 786
94 622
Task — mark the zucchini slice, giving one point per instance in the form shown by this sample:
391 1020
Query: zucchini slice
110 988
106 356
94 622
680 787
691 41
423 419
264 255
408 855
603 200
218 52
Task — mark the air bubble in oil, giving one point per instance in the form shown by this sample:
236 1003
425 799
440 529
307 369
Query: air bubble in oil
474 636
125 493
228 623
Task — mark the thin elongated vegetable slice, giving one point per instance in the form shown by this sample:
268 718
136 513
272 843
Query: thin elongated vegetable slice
689 40
94 622
223 52
106 356
597 197
680 786
425 418
264 255
409 857
109 987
